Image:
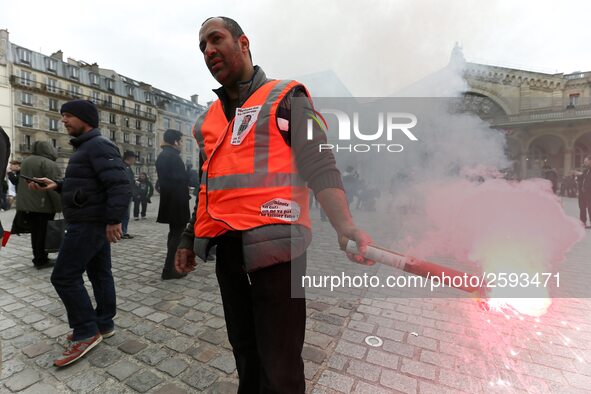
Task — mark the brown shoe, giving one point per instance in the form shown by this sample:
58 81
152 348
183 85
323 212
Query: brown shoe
77 349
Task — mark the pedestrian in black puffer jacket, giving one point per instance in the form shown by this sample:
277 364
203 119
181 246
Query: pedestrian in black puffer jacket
95 188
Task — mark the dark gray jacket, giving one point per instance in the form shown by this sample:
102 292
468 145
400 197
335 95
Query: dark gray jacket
41 164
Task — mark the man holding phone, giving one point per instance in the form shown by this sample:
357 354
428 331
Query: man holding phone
39 207
95 195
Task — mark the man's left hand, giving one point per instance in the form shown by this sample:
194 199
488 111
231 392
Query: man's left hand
361 238
114 232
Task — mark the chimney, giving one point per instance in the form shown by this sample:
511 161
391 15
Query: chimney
3 46
59 55
195 99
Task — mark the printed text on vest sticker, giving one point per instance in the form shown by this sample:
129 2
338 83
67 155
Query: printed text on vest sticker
282 209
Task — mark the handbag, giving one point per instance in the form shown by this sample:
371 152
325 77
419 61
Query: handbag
56 229
20 223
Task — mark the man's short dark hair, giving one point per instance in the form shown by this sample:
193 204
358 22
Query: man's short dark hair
128 154
171 136
230 24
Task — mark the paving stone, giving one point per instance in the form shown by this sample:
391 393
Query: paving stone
214 337
399 382
22 380
336 381
11 333
174 322
364 370
191 329
36 349
103 357
142 328
41 388
310 369
160 335
366 388
6 323
157 317
313 354
351 349
85 382
10 367
65 373
123 369
225 363
418 368
199 377
320 340
30 318
57 331
180 344
143 381
170 388
152 356
223 387
172 366
132 346
203 353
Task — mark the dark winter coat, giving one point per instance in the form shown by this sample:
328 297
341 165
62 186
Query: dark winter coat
174 187
95 188
41 164
4 155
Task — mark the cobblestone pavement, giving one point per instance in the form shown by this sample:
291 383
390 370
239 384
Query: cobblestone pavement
171 334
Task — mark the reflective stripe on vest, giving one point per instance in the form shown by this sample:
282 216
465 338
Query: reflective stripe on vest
270 174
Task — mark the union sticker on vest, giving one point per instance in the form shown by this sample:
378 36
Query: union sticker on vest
243 121
279 208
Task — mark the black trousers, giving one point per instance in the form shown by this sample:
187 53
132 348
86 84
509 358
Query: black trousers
174 238
38 223
266 326
584 207
143 201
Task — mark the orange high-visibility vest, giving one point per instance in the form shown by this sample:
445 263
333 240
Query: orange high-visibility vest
249 174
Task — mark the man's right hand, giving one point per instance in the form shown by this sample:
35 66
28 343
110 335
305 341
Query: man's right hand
184 260
49 184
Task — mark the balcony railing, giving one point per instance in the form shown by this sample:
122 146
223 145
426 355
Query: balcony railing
550 114
52 90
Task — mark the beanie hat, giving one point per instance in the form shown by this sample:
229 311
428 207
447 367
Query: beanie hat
84 110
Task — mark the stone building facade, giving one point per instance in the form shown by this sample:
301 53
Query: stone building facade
133 114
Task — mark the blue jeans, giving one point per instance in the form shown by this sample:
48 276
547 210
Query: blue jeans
125 220
85 248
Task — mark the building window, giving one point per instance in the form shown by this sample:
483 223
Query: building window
74 72
138 139
112 118
53 124
75 91
54 143
26 119
113 135
130 91
123 104
96 97
179 126
27 142
149 109
52 85
126 137
150 127
53 104
573 100
126 122
150 141
166 123
148 97
26 78
109 101
110 84
51 65
24 55
137 109
138 124
94 79
26 98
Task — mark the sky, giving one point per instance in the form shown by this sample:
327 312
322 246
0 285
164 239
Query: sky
375 47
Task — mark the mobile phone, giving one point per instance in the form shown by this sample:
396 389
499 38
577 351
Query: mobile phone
29 179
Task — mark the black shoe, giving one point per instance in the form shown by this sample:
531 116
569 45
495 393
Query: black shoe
127 236
172 275
136 218
48 264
